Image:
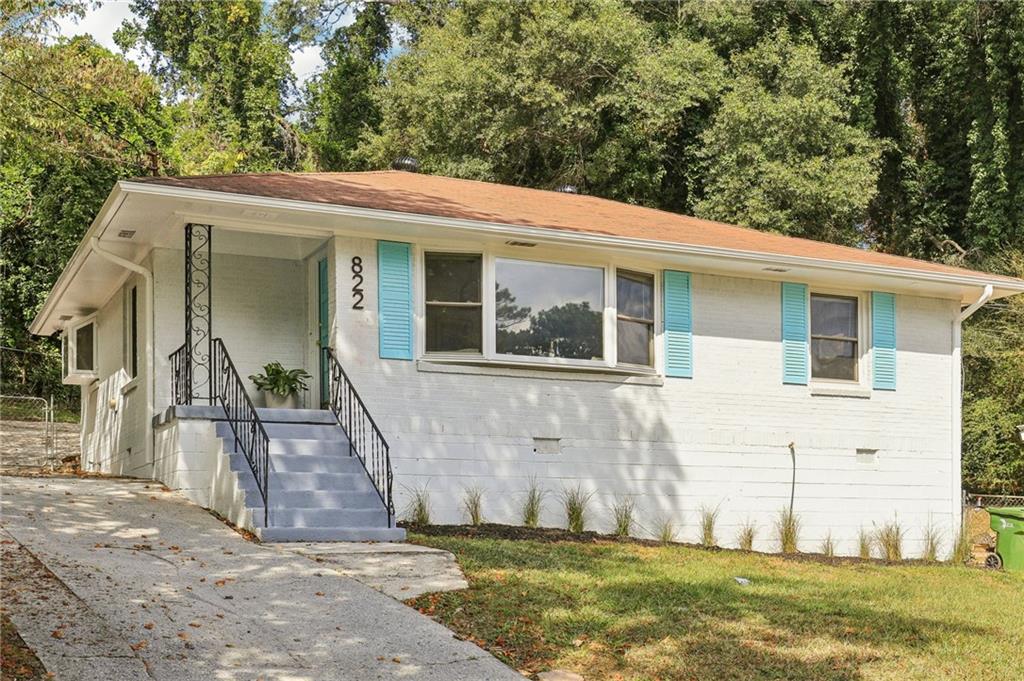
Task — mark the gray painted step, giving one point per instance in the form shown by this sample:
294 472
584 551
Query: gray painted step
317 481
330 533
329 517
301 446
303 431
305 463
296 416
323 499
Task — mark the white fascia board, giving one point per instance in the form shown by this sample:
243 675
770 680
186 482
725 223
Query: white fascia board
553 235
99 223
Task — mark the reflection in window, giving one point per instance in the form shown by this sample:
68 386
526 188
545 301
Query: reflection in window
634 294
833 337
548 310
454 309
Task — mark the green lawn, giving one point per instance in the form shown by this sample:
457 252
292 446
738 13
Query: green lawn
611 610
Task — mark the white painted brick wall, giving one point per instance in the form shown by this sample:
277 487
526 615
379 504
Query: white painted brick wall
259 309
719 439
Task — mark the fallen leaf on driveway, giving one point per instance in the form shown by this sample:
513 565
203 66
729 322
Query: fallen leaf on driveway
195 624
148 625
183 635
141 645
57 633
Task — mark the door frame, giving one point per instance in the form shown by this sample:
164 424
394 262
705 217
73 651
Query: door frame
318 323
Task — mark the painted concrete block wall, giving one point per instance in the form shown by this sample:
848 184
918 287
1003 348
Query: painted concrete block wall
114 407
719 439
259 309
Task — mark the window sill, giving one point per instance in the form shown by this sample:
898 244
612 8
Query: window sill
488 367
837 390
130 386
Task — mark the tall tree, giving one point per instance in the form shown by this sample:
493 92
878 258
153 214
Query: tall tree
228 75
340 105
782 154
540 93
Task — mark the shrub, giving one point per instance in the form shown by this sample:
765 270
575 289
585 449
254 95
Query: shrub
828 547
472 503
533 503
864 544
418 510
575 501
665 530
748 532
890 540
622 511
932 543
708 518
787 530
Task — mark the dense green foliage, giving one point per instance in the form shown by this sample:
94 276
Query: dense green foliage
895 126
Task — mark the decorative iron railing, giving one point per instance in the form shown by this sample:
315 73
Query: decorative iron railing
228 390
365 440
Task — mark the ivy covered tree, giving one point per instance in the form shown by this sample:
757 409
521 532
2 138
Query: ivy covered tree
228 75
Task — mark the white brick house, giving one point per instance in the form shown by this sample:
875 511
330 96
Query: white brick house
498 336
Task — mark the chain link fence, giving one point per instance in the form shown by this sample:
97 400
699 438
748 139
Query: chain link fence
27 434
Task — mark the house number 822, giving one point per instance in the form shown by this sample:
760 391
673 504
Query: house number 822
357 287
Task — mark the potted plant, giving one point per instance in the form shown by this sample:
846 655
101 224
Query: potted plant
280 386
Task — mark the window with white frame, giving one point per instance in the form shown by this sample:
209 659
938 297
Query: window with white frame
835 337
548 310
78 347
454 305
634 301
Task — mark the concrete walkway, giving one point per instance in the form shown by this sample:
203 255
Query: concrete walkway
402 571
145 585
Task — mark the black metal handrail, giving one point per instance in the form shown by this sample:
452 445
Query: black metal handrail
228 390
365 440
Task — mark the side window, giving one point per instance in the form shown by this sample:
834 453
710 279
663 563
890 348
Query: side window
131 332
635 317
834 337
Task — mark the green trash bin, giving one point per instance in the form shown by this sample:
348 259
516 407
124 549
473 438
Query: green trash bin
1008 524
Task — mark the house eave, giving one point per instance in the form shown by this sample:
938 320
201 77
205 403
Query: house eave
1003 286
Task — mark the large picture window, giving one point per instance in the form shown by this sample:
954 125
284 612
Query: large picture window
634 297
834 337
454 309
548 310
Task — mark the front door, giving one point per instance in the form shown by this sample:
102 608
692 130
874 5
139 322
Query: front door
323 340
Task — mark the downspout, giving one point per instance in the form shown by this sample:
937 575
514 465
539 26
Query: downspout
147 275
956 481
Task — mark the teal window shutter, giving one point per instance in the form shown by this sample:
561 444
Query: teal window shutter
883 340
678 324
394 282
794 333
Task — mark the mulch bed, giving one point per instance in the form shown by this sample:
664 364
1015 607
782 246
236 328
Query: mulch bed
554 534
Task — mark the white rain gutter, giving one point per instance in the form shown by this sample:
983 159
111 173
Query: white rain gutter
957 411
150 387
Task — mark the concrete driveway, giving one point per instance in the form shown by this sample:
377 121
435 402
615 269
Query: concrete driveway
118 579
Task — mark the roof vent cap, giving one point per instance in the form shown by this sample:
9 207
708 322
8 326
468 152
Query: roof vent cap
567 189
406 163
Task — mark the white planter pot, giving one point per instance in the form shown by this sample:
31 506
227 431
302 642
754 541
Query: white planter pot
278 402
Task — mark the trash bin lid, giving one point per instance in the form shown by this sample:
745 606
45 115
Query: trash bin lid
1015 512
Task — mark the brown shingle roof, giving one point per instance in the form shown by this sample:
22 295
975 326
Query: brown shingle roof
496 203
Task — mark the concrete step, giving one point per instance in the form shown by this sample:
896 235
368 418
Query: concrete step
298 431
302 463
358 482
283 534
329 517
321 416
322 499
302 447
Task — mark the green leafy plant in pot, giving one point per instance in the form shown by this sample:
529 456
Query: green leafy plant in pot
281 386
